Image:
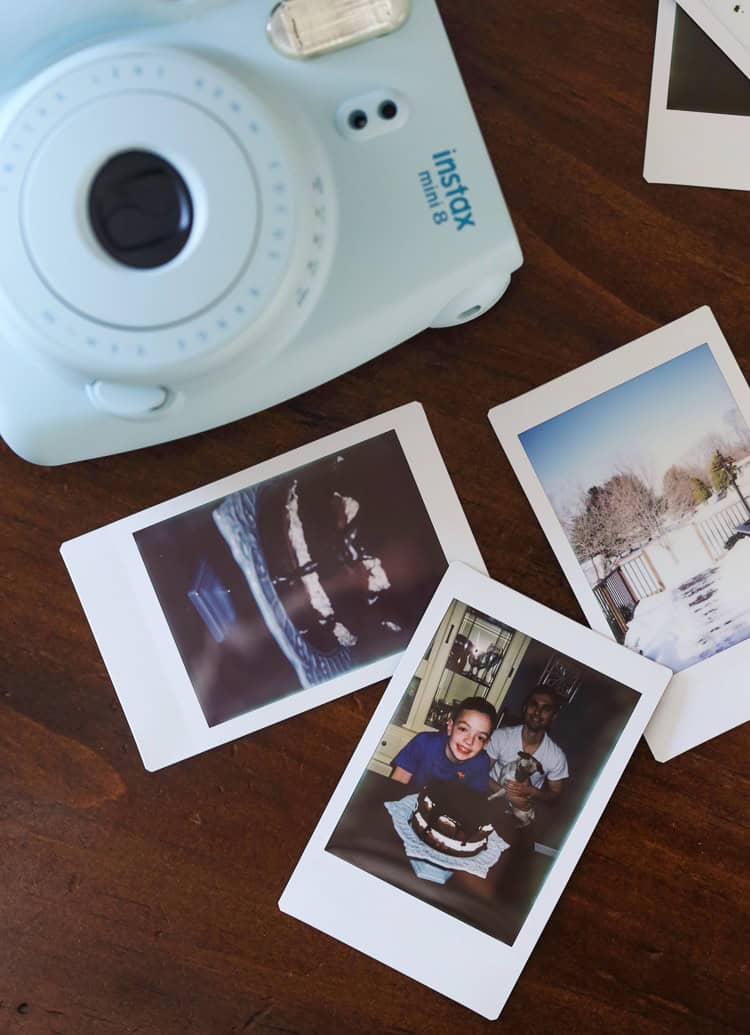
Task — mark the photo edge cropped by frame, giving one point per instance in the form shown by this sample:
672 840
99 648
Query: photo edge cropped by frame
167 728
670 154
348 899
676 727
715 29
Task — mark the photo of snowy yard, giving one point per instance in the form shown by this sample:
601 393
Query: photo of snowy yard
651 484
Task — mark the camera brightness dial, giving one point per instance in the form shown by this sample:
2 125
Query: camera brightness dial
159 215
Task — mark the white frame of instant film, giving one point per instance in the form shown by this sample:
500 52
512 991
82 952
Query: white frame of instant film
711 696
134 638
404 932
695 148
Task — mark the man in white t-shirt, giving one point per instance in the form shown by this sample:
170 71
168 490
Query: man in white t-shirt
538 712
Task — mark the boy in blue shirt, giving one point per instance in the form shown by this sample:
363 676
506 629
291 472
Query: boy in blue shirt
457 754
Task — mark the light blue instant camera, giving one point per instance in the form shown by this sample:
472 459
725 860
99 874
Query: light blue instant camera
208 207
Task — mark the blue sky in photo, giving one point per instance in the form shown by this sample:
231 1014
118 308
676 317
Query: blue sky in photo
649 422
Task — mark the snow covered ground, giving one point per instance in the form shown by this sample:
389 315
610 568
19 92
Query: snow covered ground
700 616
680 552
678 555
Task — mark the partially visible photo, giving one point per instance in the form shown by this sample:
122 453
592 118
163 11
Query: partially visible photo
701 76
297 579
483 770
698 129
650 482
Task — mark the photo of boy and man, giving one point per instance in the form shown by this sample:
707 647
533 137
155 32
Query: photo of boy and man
525 731
473 750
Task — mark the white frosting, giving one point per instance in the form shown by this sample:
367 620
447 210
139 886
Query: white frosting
351 507
448 822
297 539
319 599
449 842
377 580
342 634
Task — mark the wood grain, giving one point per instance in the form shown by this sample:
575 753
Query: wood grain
138 903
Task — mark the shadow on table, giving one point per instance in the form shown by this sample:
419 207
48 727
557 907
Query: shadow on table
497 904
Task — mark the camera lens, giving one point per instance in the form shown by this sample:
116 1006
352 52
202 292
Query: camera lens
358 119
140 209
388 110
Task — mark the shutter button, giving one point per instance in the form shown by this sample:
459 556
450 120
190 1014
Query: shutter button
126 400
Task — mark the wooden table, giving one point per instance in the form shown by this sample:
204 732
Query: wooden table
138 903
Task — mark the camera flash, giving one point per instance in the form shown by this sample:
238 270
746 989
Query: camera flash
304 28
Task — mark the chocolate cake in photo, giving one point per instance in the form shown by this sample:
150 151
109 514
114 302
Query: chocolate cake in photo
340 555
452 818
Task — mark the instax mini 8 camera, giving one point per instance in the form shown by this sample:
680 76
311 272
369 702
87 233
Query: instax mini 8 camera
208 207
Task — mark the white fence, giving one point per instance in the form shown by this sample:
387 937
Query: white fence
715 530
641 576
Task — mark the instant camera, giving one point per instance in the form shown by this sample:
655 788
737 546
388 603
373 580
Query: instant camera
208 207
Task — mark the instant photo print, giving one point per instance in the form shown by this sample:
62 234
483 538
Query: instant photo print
272 591
425 858
699 112
637 466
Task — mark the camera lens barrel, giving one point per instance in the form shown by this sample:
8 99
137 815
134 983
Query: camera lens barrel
140 209
161 215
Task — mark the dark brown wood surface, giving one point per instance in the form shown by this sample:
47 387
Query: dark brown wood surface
146 903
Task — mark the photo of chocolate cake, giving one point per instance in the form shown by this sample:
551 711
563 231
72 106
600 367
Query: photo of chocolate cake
340 556
452 818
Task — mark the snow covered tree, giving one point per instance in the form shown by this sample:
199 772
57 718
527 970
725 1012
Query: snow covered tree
588 529
615 517
637 510
724 474
678 488
722 470
700 490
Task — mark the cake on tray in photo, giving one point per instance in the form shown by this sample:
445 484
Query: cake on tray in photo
323 563
340 556
452 818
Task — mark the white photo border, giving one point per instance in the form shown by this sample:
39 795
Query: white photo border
131 630
695 148
359 909
710 697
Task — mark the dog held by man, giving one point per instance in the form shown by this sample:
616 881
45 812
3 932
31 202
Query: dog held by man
528 766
